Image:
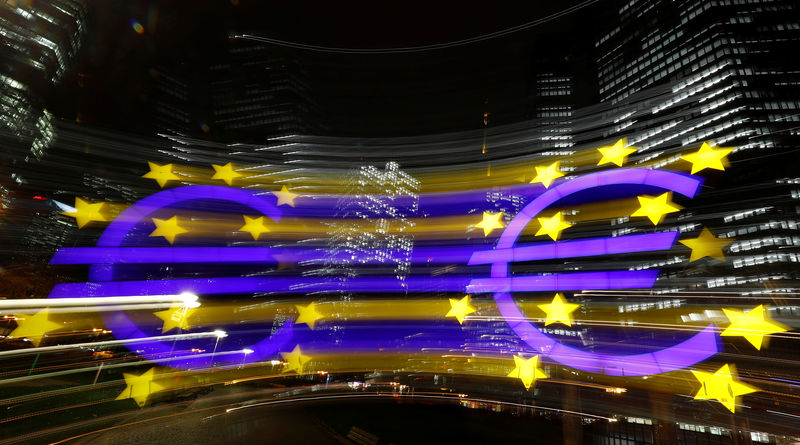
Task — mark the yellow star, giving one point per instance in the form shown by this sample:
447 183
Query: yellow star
285 196
139 387
706 245
176 317
615 154
655 207
707 157
722 385
527 370
752 325
460 309
559 311
34 327
161 173
308 315
490 222
226 173
546 175
255 226
168 228
553 226
295 360
86 212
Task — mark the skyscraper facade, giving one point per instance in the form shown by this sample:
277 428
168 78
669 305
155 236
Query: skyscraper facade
670 76
39 42
260 92
40 39
678 74
723 60
373 221
249 93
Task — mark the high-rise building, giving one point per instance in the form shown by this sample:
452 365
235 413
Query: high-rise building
250 93
677 74
39 41
373 221
259 92
174 105
370 230
722 60
560 83
671 75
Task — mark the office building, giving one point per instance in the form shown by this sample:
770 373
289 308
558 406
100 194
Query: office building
248 94
40 40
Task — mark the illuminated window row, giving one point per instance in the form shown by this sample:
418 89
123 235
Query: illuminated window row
769 258
662 304
746 245
746 214
718 103
717 431
707 133
607 36
652 132
772 225
735 281
661 263
672 63
694 90
783 118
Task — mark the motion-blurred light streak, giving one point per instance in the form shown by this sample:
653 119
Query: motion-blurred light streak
270 255
100 344
8 305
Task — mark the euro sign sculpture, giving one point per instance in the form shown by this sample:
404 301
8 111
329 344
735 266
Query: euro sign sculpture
120 245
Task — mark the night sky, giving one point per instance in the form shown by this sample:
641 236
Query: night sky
360 94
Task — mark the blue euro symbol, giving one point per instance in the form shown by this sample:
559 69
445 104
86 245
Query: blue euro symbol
113 248
102 275
697 348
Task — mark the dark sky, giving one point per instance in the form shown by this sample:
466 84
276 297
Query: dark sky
362 94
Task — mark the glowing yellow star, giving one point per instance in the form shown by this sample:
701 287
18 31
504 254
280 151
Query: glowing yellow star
460 309
559 311
226 173
285 196
176 317
546 175
706 245
707 157
552 226
255 226
139 387
295 360
723 386
34 327
656 207
85 212
490 222
308 315
168 228
752 325
527 370
615 154
161 173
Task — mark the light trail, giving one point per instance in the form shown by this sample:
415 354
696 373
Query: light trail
97 344
421 396
37 303
114 366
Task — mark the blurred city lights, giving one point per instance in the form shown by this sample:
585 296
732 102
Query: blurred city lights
625 269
